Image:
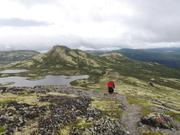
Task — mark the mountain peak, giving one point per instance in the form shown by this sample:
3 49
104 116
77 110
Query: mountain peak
60 47
67 56
58 50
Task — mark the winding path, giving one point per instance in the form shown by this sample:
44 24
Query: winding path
130 116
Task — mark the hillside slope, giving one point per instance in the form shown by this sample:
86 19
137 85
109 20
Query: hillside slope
61 56
12 56
63 60
88 108
167 56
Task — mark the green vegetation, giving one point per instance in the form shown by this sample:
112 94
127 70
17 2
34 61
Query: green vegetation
169 56
2 130
145 104
152 133
138 101
79 124
65 130
131 79
176 116
7 57
82 123
146 110
62 60
27 98
110 107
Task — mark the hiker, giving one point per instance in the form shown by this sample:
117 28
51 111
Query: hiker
151 82
111 87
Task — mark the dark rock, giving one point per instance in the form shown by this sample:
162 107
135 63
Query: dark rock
107 126
63 110
2 89
93 113
16 118
158 120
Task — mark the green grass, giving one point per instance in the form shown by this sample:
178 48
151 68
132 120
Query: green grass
79 124
175 116
109 107
2 130
130 77
138 101
27 98
82 123
62 60
145 105
152 133
146 111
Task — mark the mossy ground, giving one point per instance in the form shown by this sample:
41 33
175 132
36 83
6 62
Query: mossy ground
141 93
134 86
25 97
79 124
130 77
33 99
2 130
174 115
152 133
137 92
108 106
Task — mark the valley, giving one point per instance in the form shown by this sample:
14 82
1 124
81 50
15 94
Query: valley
84 106
165 56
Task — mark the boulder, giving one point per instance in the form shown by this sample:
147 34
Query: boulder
158 120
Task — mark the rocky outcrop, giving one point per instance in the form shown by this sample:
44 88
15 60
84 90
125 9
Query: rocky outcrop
159 120
55 112
14 115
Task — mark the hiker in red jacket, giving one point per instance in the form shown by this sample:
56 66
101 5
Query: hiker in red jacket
111 87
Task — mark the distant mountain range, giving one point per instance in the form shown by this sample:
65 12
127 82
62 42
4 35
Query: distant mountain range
63 60
12 56
165 56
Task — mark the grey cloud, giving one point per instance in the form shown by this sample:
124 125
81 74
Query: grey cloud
156 20
156 24
16 22
158 17
36 2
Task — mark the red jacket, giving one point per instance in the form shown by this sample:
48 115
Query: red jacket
111 84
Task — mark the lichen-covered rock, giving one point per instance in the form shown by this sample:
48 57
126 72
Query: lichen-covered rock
107 126
15 115
54 112
93 114
63 110
158 120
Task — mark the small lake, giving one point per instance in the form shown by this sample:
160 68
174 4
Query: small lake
13 71
47 80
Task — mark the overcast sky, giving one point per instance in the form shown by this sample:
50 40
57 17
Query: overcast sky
89 24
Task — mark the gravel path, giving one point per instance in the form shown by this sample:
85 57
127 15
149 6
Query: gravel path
130 116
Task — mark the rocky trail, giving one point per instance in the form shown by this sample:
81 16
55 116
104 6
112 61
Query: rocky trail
130 116
130 119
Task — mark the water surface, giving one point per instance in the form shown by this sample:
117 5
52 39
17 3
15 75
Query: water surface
48 80
13 71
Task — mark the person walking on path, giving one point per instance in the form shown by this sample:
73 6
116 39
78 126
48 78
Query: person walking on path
111 87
